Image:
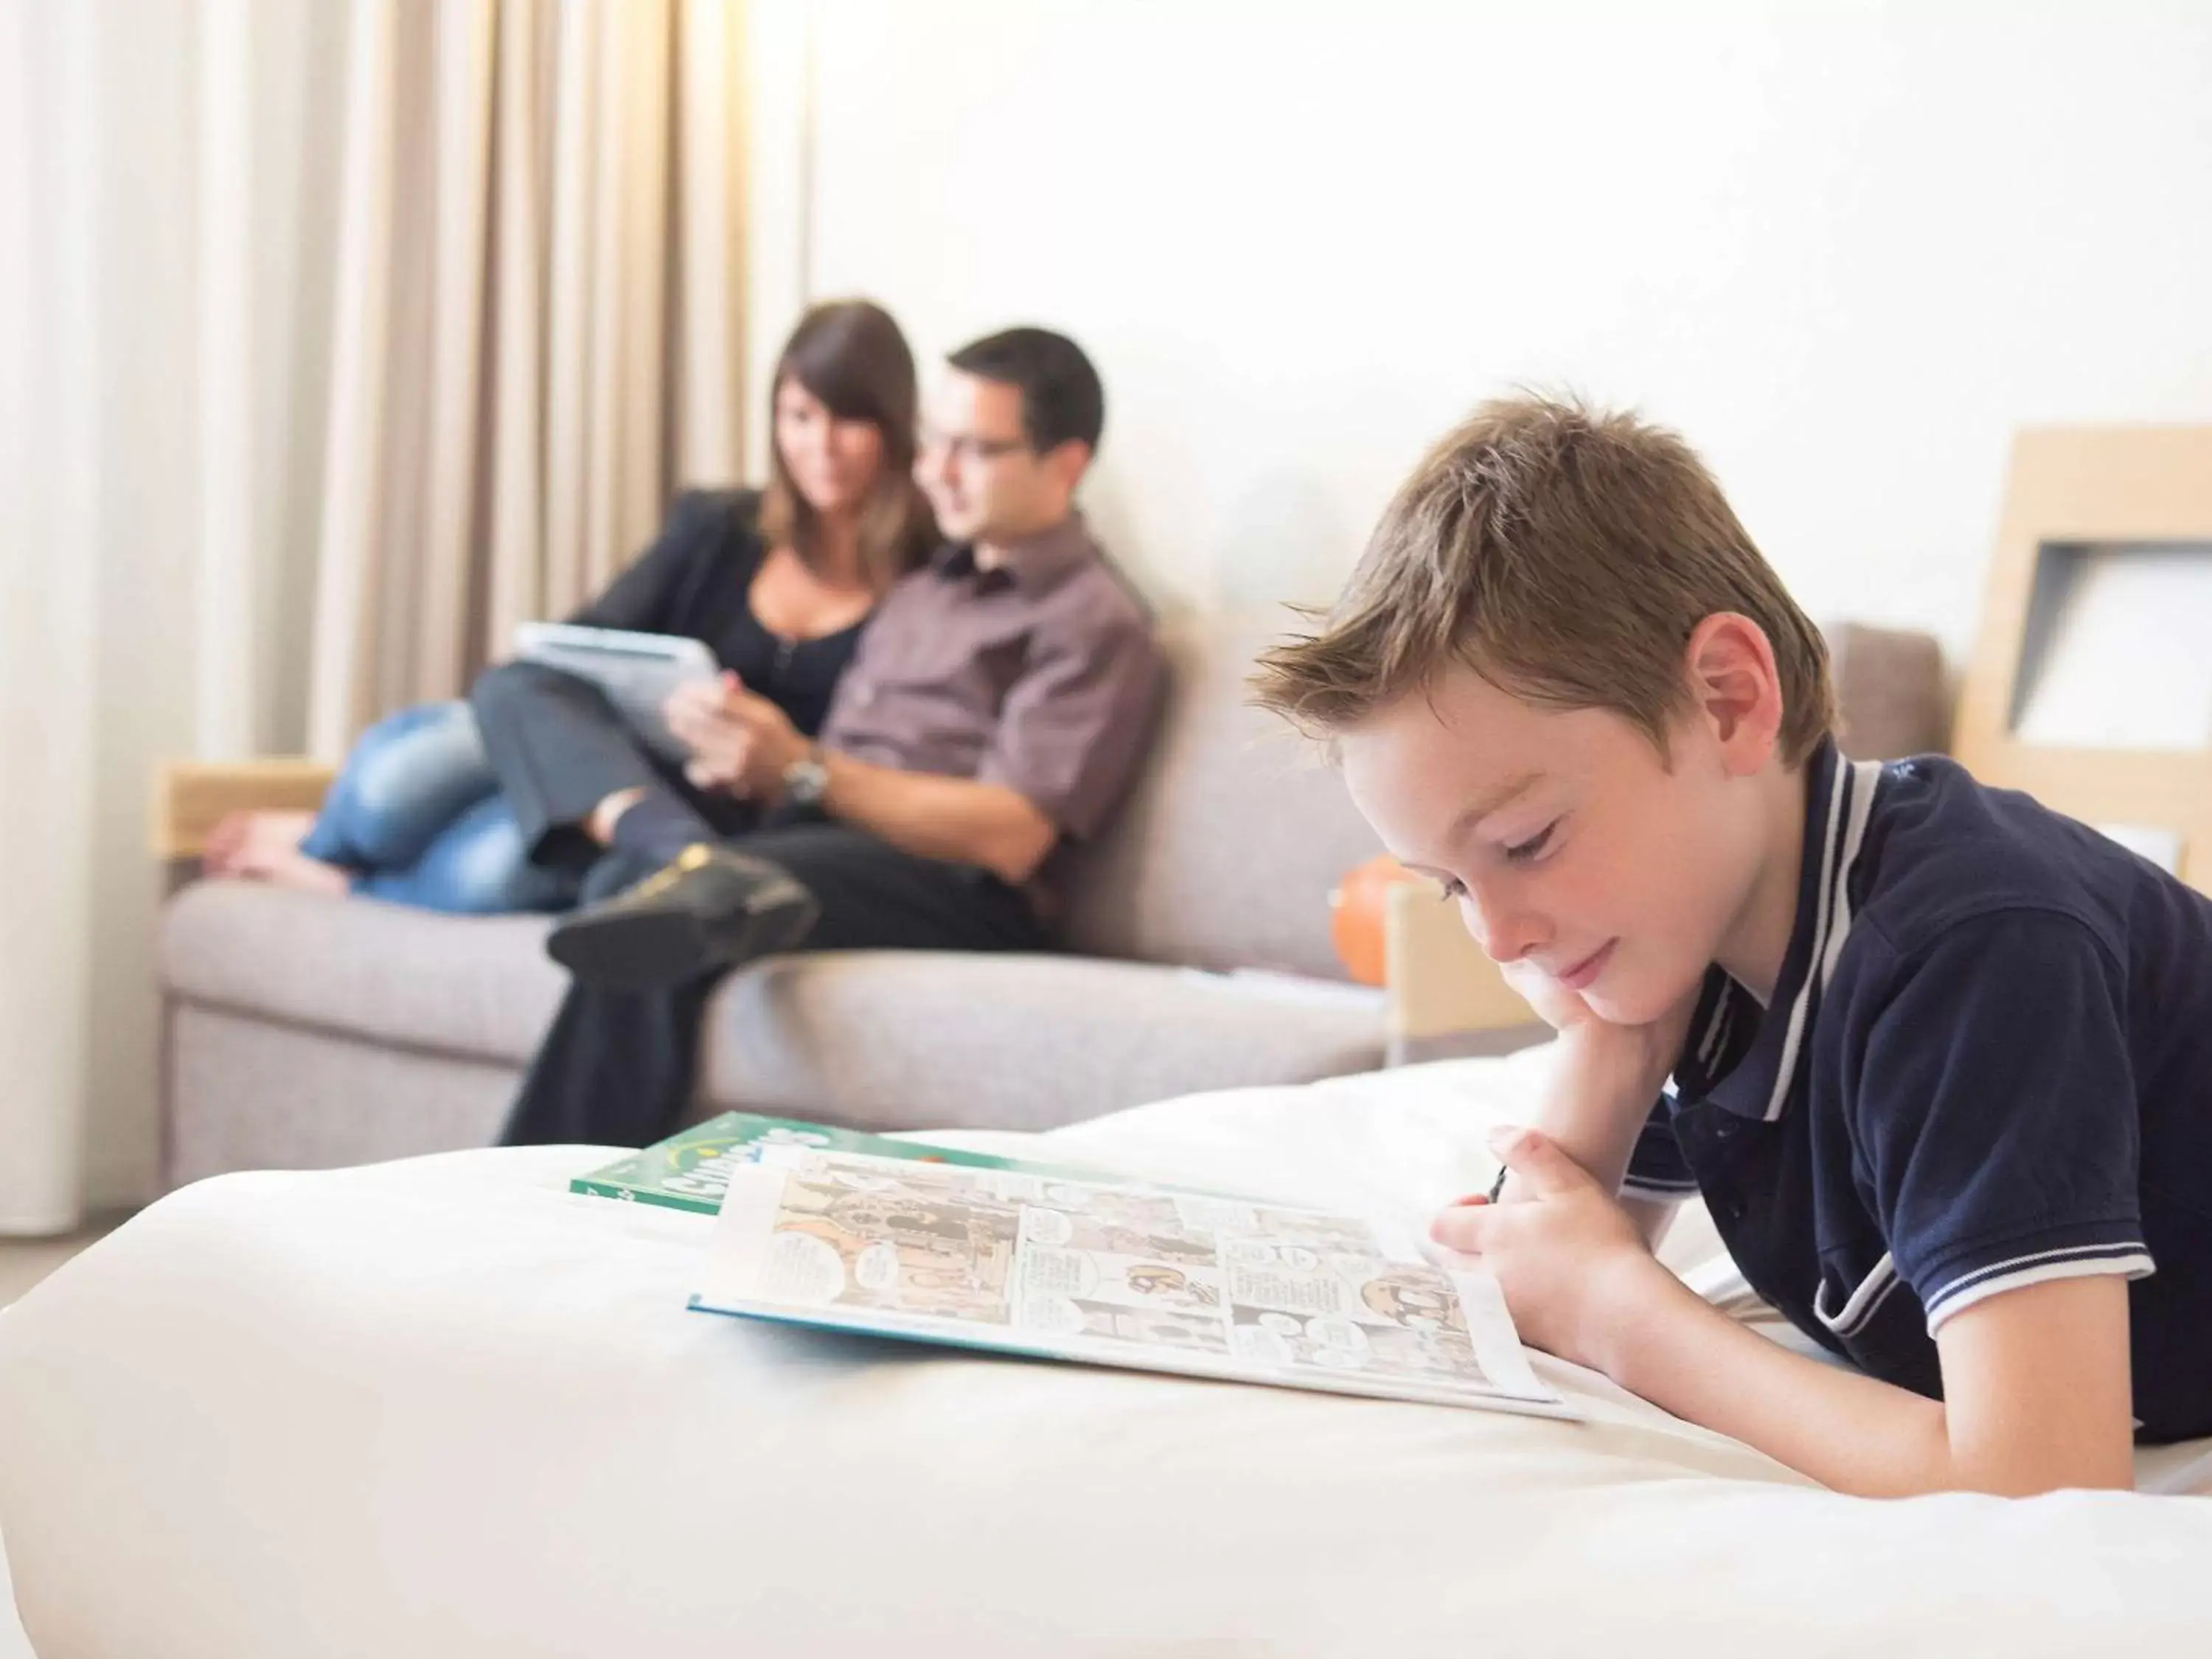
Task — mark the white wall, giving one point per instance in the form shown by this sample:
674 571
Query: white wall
1845 247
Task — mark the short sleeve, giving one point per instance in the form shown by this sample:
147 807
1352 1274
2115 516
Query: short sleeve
1657 1171
1077 720
1995 1116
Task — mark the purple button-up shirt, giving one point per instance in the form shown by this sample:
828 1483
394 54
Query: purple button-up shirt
1039 674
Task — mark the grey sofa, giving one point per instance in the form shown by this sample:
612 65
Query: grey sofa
302 1031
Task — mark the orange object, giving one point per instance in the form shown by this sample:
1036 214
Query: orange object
1357 912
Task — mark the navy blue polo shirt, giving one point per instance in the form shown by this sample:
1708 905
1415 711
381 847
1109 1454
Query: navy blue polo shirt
1987 1064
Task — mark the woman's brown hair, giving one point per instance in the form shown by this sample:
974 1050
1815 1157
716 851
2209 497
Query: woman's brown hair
850 354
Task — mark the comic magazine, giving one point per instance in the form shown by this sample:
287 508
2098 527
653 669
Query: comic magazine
688 1172
1111 1274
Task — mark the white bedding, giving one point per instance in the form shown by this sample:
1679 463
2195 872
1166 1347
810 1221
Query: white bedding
444 1407
14 1644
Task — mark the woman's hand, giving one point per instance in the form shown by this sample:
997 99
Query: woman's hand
1564 1252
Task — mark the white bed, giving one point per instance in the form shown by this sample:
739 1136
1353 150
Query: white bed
444 1407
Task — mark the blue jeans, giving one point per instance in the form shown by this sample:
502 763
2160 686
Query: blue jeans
416 817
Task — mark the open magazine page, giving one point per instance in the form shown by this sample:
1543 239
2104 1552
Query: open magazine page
1113 1275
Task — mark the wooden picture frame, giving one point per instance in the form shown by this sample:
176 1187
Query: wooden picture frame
2088 488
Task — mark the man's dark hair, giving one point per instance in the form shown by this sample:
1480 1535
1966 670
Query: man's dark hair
1061 397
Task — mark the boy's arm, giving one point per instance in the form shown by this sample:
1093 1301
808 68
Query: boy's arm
1603 1088
1595 1106
2036 1379
2036 1388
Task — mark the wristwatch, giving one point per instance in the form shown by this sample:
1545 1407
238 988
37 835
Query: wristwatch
806 780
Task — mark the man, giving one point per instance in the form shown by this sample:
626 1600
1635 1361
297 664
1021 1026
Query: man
996 711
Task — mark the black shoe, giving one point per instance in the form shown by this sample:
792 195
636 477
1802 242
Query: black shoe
711 909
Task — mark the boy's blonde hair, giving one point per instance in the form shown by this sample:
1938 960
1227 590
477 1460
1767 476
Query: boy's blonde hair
1566 554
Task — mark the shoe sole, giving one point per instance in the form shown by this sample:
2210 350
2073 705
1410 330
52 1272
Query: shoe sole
650 949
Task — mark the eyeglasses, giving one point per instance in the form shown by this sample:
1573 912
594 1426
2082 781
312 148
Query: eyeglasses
966 449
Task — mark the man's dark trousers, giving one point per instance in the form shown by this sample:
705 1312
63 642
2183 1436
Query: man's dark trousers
616 1067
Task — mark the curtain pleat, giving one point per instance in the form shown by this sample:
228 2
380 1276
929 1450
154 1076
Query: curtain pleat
51 503
535 324
455 428
707 205
339 684
515 538
335 339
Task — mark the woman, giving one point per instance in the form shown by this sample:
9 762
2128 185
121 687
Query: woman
778 585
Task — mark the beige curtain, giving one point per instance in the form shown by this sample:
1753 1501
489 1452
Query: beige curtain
50 514
334 338
535 323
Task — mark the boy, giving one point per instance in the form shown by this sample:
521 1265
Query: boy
1940 1060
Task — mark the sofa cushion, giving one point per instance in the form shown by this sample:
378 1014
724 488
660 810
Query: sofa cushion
1224 853
880 1038
884 1039
1890 691
479 985
248 1092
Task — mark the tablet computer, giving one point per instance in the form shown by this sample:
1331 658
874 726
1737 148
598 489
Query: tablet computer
637 670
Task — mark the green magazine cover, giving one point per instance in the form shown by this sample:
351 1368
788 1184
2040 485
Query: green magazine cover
691 1171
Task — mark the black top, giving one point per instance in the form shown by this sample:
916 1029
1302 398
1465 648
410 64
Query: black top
696 580
1988 1064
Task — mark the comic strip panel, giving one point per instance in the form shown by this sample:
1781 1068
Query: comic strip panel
1075 1268
1293 1306
929 1242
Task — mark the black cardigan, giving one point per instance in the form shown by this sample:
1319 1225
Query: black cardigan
695 581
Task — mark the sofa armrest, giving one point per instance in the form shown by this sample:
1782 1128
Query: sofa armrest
191 797
1446 997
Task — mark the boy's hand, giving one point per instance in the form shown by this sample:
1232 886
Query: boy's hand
1659 1043
1604 1079
1603 1082
1556 1005
1565 1253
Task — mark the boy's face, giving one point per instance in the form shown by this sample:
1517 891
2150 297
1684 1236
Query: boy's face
1571 846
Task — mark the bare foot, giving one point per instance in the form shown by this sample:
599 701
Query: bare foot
224 842
243 838
266 846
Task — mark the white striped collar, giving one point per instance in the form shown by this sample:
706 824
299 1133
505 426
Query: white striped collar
1748 1060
